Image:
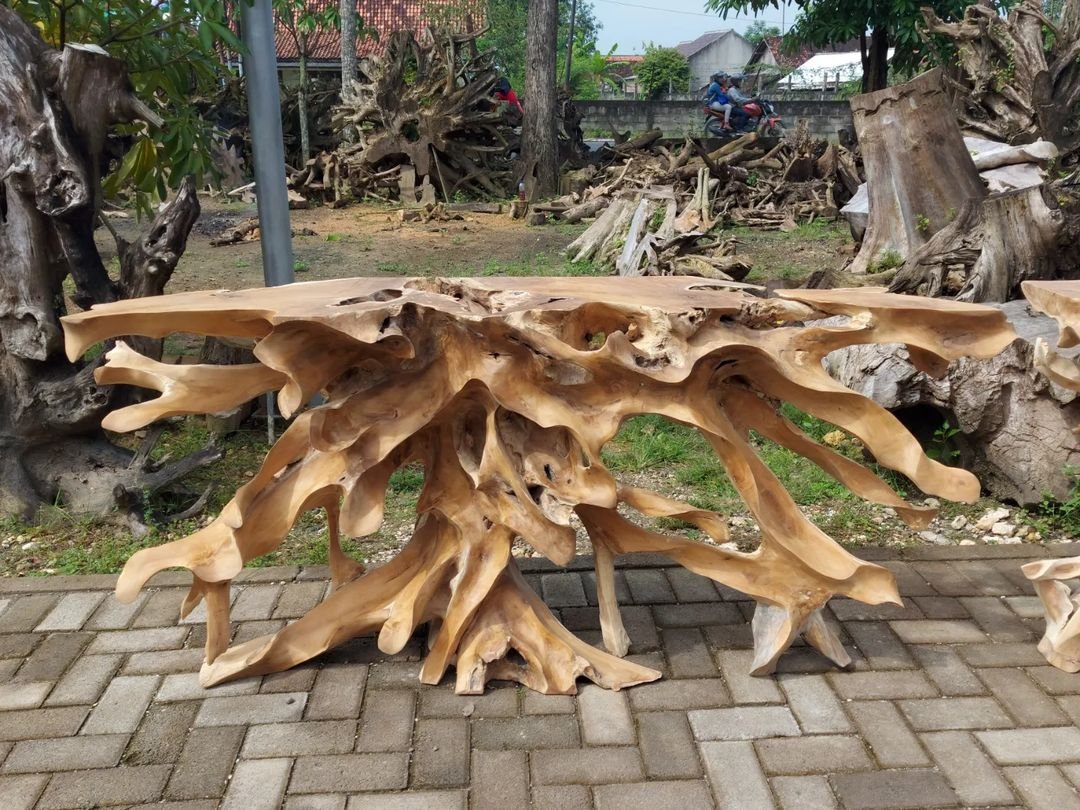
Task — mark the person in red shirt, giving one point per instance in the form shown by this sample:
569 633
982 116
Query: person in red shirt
505 93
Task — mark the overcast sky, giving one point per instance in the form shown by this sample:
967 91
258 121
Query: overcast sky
631 23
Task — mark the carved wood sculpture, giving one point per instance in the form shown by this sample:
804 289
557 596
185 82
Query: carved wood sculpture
1061 641
506 390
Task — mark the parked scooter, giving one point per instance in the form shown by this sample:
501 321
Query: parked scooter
761 117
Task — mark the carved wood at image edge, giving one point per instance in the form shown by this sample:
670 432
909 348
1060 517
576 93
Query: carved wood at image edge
1061 640
506 391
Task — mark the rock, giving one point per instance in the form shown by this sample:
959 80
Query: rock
990 518
1003 529
1016 425
991 539
935 538
959 522
29 546
933 503
738 521
967 541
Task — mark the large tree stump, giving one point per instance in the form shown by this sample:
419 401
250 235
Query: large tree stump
57 108
1061 641
918 172
506 391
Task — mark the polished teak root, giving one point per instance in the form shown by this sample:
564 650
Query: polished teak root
505 391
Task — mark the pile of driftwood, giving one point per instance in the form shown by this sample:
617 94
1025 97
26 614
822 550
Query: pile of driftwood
655 207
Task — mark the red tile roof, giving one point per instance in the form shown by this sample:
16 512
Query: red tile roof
386 17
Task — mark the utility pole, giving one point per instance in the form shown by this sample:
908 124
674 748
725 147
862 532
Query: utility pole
570 46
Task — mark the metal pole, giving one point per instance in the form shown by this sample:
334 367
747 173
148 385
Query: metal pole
268 148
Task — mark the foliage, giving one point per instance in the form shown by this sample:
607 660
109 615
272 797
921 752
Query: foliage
661 69
173 54
759 30
590 72
942 447
300 20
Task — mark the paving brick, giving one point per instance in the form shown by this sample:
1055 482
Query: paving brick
162 609
203 769
893 790
499 781
71 612
933 631
394 675
297 598
1055 681
255 603
386 723
104 787
135 641
338 692
852 610
973 777
161 736
743 723
941 607
814 704
1043 788
185 686
298 679
909 581
499 702
947 714
286 707
735 776
23 695
622 591
649 586
698 614
420 800
587 766
682 694
879 644
347 773
112 614
441 753
66 754
535 703
881 685
744 688
605 717
284 573
997 577
41 724
1026 607
730 636
996 619
249 631
21 792
641 628
26 612
53 656
562 797
545 731
122 705
803 792
18 645
1072 773
300 739
947 670
667 746
166 662
691 587
563 590
827 753
884 730
1031 746
257 785
1022 698
84 681
655 795
1001 655
325 801
947 579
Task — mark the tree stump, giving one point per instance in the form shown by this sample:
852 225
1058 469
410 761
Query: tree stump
918 171
1061 641
506 391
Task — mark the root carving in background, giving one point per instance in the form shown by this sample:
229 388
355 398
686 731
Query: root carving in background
505 391
1061 641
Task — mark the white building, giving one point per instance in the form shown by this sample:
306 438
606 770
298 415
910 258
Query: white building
716 51
826 71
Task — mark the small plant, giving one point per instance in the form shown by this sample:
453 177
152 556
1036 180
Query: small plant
950 213
922 224
334 237
752 179
242 263
300 266
942 448
887 260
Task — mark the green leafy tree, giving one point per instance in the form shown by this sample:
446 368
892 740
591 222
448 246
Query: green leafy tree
173 51
879 26
300 21
591 72
662 70
759 30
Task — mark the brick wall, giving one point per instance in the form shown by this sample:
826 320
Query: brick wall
677 118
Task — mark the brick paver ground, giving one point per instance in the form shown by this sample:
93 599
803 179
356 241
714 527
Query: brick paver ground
948 704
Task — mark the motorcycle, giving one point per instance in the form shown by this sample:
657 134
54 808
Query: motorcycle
761 118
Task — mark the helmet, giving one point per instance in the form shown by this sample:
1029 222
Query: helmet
718 77
502 85
736 78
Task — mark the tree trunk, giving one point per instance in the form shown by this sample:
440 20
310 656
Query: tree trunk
302 108
540 147
58 108
570 46
876 61
348 44
919 174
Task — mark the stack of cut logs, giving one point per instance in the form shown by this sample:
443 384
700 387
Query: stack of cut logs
654 208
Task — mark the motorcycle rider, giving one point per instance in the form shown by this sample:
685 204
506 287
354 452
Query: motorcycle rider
737 98
716 99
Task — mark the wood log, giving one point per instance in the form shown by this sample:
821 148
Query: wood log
642 141
585 210
918 171
497 387
589 243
